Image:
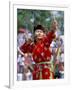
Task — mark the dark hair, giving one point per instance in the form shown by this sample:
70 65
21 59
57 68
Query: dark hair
39 27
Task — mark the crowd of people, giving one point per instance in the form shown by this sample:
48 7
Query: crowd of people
40 56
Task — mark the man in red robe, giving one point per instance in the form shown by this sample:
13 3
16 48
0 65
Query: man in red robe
41 53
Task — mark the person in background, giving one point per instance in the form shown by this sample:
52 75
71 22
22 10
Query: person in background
23 70
59 59
56 46
21 36
27 74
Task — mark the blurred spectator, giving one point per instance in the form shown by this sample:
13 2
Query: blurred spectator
57 47
21 36
20 67
59 60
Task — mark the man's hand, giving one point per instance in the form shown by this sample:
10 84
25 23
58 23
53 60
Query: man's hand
54 25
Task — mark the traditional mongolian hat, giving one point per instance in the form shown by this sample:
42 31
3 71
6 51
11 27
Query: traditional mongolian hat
39 27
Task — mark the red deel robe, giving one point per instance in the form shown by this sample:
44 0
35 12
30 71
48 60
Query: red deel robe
41 55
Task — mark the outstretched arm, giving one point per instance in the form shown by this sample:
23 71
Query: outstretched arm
51 35
49 38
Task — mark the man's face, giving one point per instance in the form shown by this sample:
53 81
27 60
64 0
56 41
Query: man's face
39 33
